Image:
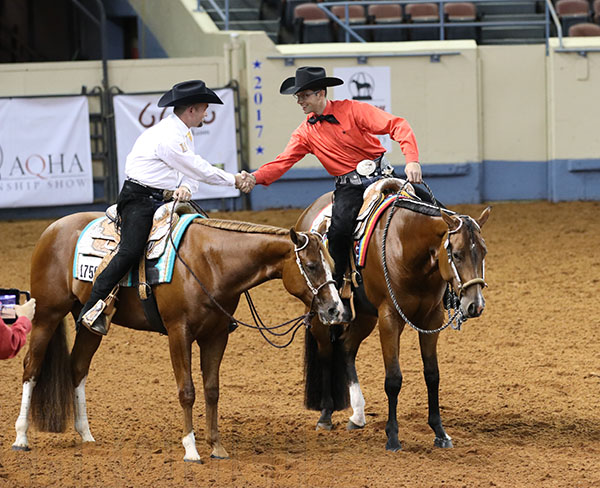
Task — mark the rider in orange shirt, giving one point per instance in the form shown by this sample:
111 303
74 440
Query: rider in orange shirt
341 134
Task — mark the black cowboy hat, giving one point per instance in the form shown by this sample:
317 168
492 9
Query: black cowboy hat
307 78
188 93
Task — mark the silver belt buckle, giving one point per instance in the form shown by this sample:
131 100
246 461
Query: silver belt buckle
366 167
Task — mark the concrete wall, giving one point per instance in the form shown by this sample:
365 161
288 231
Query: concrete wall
492 123
574 121
513 103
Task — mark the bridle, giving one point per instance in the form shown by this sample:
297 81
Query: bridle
475 281
297 249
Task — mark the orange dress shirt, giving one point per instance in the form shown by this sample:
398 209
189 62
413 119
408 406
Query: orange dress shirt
340 147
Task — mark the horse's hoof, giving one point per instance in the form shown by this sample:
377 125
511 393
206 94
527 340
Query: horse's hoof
196 461
21 448
394 447
352 426
324 426
218 457
443 442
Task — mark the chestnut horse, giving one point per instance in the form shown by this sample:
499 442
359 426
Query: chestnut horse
423 254
228 258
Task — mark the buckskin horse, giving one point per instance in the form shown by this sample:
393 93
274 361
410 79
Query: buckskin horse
227 265
423 254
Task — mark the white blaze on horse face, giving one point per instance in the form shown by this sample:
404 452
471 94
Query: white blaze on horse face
189 444
82 425
22 423
357 400
332 286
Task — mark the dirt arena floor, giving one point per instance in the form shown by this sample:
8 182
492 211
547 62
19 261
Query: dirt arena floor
520 386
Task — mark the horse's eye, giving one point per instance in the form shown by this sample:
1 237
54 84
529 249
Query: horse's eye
311 267
457 255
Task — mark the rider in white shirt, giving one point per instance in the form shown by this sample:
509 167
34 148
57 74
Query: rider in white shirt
162 157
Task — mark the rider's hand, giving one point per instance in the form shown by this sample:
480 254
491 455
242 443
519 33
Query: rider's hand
27 309
182 194
413 172
245 181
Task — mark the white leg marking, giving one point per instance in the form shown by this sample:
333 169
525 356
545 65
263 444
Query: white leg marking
358 405
189 443
22 423
82 425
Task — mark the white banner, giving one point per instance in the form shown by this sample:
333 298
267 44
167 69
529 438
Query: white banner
45 155
369 84
215 141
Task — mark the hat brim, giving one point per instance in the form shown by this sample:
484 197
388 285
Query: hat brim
167 99
288 87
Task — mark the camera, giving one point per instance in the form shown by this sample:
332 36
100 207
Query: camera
9 297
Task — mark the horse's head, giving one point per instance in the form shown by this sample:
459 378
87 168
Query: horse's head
461 260
312 279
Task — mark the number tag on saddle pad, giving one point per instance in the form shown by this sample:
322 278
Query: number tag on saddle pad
86 267
366 167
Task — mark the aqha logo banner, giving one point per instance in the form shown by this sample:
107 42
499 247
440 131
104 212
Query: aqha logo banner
45 154
215 141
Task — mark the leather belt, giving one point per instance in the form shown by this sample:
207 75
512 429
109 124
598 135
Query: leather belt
354 178
155 193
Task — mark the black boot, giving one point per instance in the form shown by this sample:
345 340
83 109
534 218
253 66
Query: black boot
99 326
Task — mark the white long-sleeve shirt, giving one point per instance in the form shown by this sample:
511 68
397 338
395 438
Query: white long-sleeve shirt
163 157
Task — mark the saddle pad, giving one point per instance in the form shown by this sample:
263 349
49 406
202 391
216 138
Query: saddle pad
88 255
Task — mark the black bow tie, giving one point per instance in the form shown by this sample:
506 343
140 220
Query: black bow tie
320 118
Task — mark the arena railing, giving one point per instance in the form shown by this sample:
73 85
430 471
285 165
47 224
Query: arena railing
442 24
223 14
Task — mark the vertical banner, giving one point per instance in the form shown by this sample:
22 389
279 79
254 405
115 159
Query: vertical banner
215 141
367 84
45 154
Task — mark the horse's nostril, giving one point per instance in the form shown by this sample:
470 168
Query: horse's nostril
474 310
333 312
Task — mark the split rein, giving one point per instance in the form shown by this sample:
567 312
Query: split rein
259 325
452 300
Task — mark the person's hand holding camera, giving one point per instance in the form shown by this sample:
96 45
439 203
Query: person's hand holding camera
27 309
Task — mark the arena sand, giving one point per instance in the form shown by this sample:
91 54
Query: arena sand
520 386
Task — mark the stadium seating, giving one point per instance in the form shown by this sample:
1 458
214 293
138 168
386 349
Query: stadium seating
455 14
287 12
356 16
572 12
422 13
584 29
311 24
387 14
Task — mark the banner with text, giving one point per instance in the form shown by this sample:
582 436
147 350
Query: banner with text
45 154
215 141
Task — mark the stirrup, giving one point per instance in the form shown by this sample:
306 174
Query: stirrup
94 319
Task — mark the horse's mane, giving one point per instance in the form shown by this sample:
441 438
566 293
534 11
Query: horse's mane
246 227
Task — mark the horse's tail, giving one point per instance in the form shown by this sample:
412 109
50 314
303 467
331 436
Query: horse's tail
52 396
314 367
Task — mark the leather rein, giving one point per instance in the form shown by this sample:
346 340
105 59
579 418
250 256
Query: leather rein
296 323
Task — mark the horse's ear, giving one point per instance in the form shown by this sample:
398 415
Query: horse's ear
294 236
484 216
450 220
